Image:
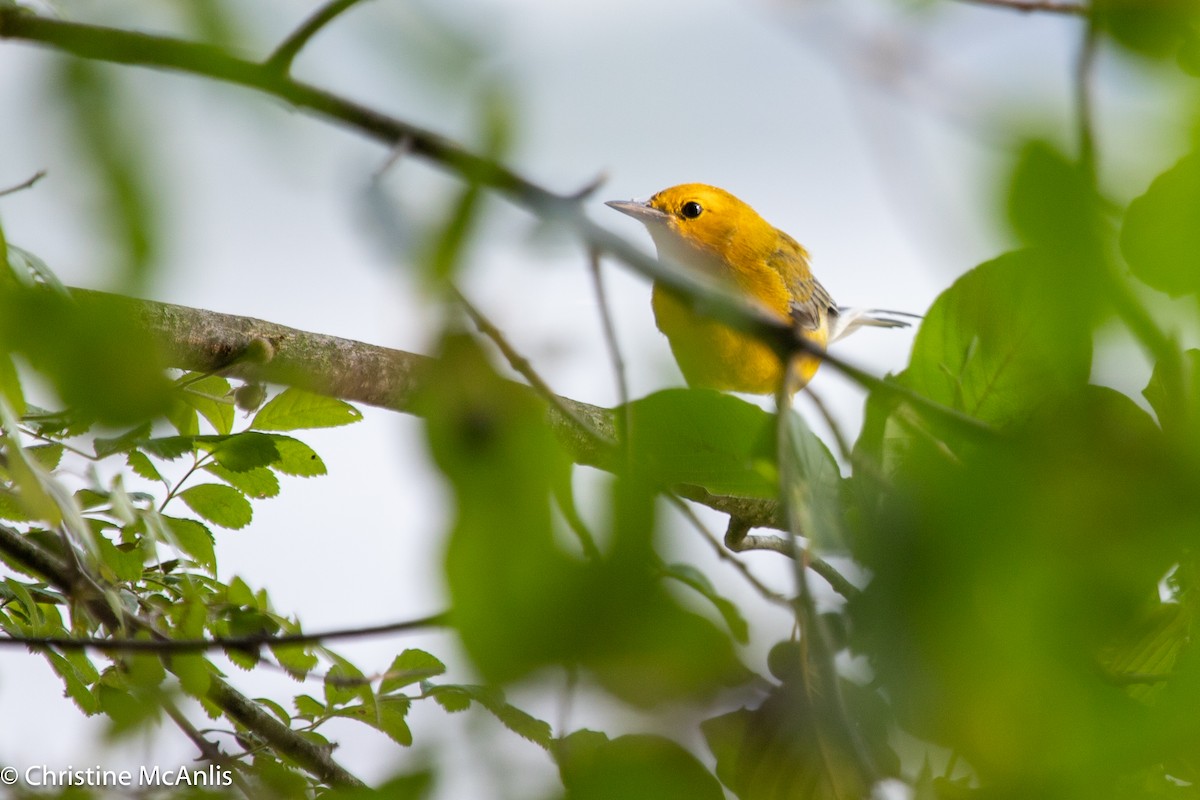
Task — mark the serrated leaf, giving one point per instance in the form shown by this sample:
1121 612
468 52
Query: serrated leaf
141 464
408 668
294 409
344 682
193 538
183 418
296 659
296 458
241 451
126 562
169 447
451 698
258 483
388 716
48 455
193 671
126 441
219 504
697 580
309 707
75 686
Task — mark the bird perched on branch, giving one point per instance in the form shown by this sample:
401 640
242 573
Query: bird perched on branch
707 229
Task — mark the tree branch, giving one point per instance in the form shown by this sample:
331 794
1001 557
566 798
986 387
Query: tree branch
26 184
126 47
308 755
1051 6
166 646
208 341
281 60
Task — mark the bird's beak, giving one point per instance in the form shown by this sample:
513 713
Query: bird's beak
641 210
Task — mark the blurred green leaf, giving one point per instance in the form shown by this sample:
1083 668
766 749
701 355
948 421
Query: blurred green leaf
220 505
1152 28
1001 577
10 384
97 357
1160 237
704 438
75 683
112 135
519 601
208 395
387 715
632 767
293 409
815 487
690 576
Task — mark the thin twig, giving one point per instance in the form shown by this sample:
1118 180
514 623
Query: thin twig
37 176
283 56
827 692
625 419
525 369
1051 6
725 555
209 750
164 646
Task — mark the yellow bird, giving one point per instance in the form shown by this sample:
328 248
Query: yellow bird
709 230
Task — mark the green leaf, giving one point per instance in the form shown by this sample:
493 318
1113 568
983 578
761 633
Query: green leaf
296 458
207 396
125 561
220 505
75 683
126 441
169 447
257 483
704 438
408 668
309 707
1161 232
633 767
344 682
994 345
1153 29
10 381
140 463
241 451
194 538
815 487
93 350
519 722
294 408
451 698
690 576
388 716
296 659
48 455
193 671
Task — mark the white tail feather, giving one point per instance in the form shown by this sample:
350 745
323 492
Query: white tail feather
848 320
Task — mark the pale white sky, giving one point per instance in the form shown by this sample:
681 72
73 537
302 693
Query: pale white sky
869 132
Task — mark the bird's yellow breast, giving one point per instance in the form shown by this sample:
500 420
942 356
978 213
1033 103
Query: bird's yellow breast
713 355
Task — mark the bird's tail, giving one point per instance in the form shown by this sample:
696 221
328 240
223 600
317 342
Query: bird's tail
848 320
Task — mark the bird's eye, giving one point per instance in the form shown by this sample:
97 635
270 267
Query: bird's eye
691 209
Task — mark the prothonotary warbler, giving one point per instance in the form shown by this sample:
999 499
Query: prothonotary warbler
709 230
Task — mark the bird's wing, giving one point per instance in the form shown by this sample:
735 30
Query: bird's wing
811 303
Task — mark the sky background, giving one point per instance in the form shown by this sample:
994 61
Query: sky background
873 132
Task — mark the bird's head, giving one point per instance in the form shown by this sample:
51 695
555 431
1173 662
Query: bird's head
701 225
